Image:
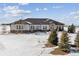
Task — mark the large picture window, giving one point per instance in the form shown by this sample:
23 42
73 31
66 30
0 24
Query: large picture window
19 27
38 27
44 27
32 27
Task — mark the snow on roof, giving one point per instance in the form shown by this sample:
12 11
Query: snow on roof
28 22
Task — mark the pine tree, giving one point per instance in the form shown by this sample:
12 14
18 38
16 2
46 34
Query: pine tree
53 39
77 41
71 28
64 43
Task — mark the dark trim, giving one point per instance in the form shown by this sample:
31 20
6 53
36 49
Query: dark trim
26 31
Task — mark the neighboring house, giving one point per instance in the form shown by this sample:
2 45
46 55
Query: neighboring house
4 28
35 24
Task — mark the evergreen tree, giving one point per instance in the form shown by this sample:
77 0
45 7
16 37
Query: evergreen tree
64 43
77 41
53 39
71 28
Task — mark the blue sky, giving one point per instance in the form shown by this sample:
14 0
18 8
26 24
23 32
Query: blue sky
67 13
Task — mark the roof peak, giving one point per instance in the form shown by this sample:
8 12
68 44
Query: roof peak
37 18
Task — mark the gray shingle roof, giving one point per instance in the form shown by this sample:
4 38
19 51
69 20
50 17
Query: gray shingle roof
43 21
55 22
20 22
37 21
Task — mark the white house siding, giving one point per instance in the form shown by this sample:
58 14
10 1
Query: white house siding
24 27
42 27
39 27
28 27
61 26
31 27
57 27
4 28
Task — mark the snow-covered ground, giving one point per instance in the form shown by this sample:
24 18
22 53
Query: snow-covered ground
24 44
31 44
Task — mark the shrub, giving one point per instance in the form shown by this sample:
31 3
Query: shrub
71 29
77 41
53 39
64 43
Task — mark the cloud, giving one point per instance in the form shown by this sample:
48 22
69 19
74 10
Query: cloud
11 13
37 9
45 9
57 7
27 11
74 12
15 11
23 3
74 15
41 9
71 17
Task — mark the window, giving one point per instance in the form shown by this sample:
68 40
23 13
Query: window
44 27
32 27
19 27
38 27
